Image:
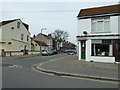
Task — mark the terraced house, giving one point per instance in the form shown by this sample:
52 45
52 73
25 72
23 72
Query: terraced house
99 33
15 37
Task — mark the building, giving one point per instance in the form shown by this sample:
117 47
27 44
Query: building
34 45
99 34
46 39
67 46
15 36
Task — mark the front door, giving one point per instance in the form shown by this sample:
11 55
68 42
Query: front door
83 49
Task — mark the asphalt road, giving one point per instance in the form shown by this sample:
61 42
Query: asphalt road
18 73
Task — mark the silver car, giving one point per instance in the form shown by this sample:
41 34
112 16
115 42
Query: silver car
47 52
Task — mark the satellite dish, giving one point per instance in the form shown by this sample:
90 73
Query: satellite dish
85 32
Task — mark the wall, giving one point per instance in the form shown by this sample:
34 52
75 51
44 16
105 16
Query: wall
102 59
84 25
36 46
79 50
114 24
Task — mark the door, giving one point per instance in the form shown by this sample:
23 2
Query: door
83 49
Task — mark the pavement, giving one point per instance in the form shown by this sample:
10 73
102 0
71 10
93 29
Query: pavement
20 56
72 67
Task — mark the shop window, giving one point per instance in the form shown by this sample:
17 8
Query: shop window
102 48
118 45
106 41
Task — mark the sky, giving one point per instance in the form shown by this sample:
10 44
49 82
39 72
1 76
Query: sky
50 15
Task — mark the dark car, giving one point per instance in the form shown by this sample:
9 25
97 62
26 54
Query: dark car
75 51
55 51
71 52
66 51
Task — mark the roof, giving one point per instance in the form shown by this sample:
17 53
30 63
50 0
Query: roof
100 10
41 43
9 21
47 36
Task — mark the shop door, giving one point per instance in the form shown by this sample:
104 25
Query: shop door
83 49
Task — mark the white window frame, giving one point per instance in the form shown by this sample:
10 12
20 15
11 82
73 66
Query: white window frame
95 22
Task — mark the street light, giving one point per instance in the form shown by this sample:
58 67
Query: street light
41 41
42 29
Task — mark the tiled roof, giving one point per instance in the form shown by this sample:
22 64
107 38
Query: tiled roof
9 21
6 22
47 36
100 10
41 43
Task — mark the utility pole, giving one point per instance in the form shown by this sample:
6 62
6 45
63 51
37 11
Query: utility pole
41 41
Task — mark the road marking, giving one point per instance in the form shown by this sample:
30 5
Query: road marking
15 66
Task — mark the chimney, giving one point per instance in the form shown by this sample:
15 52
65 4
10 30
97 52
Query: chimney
49 34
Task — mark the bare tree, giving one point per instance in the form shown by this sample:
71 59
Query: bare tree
60 35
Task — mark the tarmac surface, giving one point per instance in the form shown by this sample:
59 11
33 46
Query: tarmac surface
71 66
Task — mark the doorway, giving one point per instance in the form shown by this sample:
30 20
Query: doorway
83 49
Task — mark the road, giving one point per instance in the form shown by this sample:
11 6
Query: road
18 73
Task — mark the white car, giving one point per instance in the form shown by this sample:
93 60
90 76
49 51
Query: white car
47 52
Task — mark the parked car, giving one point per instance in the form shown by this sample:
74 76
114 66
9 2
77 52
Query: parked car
66 51
71 52
47 52
75 51
55 52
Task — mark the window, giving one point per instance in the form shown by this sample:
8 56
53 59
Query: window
22 36
18 25
27 37
118 45
21 47
101 24
107 41
102 48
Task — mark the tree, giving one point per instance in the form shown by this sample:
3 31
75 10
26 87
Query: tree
60 35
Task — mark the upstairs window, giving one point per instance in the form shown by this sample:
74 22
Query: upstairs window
18 25
22 36
101 24
27 37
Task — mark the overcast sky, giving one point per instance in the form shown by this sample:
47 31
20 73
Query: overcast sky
50 15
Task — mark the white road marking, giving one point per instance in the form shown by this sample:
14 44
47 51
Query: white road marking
15 66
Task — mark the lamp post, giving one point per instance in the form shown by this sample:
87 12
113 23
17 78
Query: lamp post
41 41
